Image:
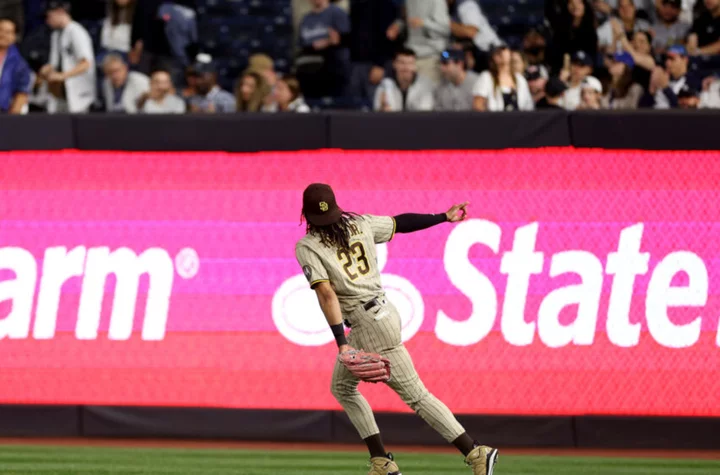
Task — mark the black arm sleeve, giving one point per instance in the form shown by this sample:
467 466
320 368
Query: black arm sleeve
410 222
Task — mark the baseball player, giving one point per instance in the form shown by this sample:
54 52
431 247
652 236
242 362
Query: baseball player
338 258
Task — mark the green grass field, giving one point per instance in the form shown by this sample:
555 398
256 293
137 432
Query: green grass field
31 460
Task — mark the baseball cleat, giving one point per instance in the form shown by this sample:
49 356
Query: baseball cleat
482 459
384 466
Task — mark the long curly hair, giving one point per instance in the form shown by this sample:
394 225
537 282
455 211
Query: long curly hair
336 235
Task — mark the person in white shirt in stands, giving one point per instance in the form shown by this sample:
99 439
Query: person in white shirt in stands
287 97
406 90
710 96
122 88
117 26
70 75
499 89
581 66
161 99
591 94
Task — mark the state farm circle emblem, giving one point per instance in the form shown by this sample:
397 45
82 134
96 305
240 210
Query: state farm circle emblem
298 317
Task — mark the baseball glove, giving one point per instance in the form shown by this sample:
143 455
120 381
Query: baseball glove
368 367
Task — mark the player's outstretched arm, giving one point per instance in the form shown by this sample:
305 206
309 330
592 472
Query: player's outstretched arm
411 222
330 306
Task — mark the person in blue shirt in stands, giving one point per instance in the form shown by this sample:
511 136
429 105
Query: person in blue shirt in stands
15 82
324 35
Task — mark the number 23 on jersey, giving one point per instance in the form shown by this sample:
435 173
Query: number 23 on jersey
347 258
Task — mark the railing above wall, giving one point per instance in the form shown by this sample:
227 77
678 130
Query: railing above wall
645 129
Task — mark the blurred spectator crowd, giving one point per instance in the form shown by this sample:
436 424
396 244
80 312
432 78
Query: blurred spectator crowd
231 56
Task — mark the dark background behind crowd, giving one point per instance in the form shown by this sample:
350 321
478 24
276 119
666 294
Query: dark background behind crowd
223 56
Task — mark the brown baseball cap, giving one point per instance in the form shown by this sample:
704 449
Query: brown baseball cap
319 205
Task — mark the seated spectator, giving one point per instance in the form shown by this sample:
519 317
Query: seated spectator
499 89
710 96
552 95
15 77
536 83
666 83
605 8
250 92
70 74
468 23
122 88
575 32
581 66
117 27
210 98
643 58
591 94
288 97
161 99
265 66
323 67
406 89
668 28
704 36
688 97
624 93
428 34
455 93
626 22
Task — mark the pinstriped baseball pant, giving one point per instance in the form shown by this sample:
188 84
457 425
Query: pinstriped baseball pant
383 336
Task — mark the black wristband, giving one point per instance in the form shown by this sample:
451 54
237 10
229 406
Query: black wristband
339 332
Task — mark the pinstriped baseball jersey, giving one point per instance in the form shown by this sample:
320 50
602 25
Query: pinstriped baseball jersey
353 272
355 277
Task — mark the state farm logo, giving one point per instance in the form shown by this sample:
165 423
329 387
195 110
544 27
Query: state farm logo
298 318
94 265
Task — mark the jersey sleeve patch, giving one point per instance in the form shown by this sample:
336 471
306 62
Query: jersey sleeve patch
307 270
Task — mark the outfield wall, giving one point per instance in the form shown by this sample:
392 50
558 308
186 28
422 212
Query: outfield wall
151 289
